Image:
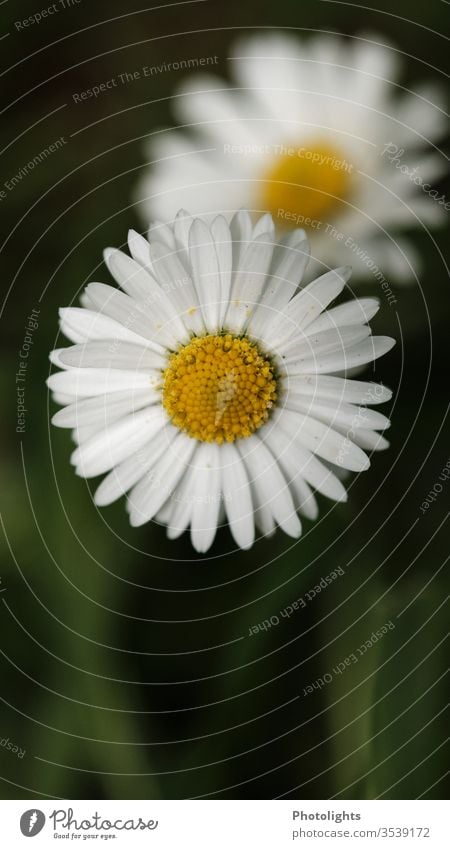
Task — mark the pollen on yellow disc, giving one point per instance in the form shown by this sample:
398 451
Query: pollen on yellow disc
219 388
308 181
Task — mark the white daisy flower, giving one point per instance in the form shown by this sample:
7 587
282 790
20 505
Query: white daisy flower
207 387
319 134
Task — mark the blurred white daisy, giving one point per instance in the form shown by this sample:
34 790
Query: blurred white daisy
207 389
318 133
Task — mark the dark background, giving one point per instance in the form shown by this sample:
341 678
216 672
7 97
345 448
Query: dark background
126 669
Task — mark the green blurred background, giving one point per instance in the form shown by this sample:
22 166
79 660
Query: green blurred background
126 668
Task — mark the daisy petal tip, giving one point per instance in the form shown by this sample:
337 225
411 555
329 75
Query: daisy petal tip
136 520
82 469
75 457
245 539
101 498
313 513
390 342
295 529
383 344
202 539
56 418
345 271
198 228
265 223
303 242
173 533
354 461
108 254
200 548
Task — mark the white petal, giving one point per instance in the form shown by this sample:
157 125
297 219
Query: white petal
83 433
139 284
241 234
147 497
264 226
237 496
353 312
307 305
117 442
266 476
335 340
102 409
132 277
209 102
161 232
121 355
369 440
284 443
205 265
304 499
357 355
269 67
421 114
85 382
206 496
61 398
177 281
70 333
340 415
337 388
163 515
374 63
222 237
181 228
326 442
130 471
264 519
86 302
55 358
249 282
181 503
145 319
289 261
139 249
89 324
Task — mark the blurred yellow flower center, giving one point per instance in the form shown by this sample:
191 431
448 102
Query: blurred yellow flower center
219 388
306 182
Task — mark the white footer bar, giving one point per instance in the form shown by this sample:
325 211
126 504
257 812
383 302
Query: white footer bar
230 823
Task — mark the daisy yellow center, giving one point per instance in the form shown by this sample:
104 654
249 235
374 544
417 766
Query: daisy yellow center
219 388
309 181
